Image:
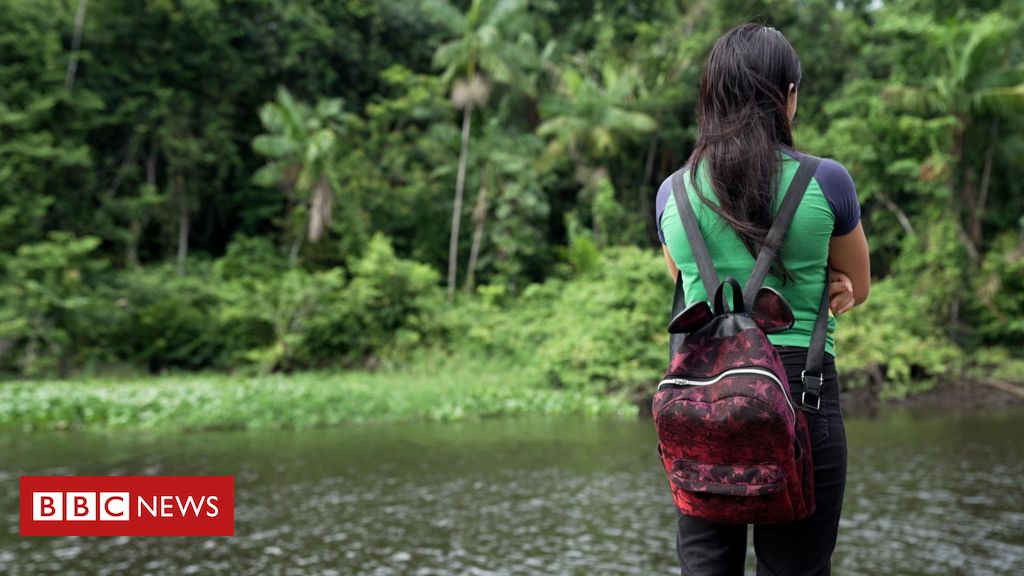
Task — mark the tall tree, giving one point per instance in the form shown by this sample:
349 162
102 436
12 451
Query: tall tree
483 51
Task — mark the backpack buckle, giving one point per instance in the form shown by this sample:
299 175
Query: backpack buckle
814 404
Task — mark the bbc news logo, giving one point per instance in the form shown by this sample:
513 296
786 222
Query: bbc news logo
127 506
116 506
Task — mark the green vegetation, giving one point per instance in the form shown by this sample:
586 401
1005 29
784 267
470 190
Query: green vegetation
268 187
428 391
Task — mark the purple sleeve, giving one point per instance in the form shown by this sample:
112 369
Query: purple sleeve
659 204
837 186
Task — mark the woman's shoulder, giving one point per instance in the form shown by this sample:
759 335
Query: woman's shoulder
661 201
836 185
665 188
665 193
829 170
831 175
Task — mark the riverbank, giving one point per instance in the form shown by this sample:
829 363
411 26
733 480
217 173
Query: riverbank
966 395
427 391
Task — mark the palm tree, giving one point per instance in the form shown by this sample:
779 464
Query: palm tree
974 84
586 122
302 145
481 52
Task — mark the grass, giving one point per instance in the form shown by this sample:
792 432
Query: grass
451 390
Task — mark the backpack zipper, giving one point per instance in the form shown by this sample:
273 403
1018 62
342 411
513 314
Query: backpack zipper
731 372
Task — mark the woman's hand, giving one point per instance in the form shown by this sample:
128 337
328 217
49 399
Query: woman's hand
840 292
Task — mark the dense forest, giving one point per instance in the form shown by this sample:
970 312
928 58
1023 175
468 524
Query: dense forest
281 185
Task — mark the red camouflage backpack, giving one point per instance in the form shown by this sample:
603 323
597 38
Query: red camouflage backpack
733 443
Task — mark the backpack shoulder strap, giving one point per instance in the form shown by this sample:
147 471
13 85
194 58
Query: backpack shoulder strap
780 225
700 250
812 376
677 306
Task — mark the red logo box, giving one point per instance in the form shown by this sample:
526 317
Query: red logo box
127 505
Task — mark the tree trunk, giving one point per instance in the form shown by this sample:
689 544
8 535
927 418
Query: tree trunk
964 204
134 233
320 210
122 170
183 221
138 221
954 315
291 177
957 210
978 216
652 150
645 195
597 177
965 240
76 43
460 181
293 253
901 216
479 217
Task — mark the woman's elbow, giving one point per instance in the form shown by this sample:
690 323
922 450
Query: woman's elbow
860 293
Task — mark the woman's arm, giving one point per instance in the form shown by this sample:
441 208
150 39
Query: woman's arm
672 270
848 254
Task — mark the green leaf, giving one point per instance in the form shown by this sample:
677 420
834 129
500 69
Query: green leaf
274 146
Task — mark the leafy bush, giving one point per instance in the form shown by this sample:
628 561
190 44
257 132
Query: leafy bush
246 309
893 339
45 285
607 328
157 319
603 330
901 335
385 311
298 319
999 305
282 308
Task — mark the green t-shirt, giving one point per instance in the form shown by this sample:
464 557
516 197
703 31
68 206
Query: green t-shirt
804 251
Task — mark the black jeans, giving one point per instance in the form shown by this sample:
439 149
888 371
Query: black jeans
802 548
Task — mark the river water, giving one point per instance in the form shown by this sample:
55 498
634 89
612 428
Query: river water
927 494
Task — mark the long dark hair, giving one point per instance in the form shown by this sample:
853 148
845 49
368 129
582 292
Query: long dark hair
743 122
